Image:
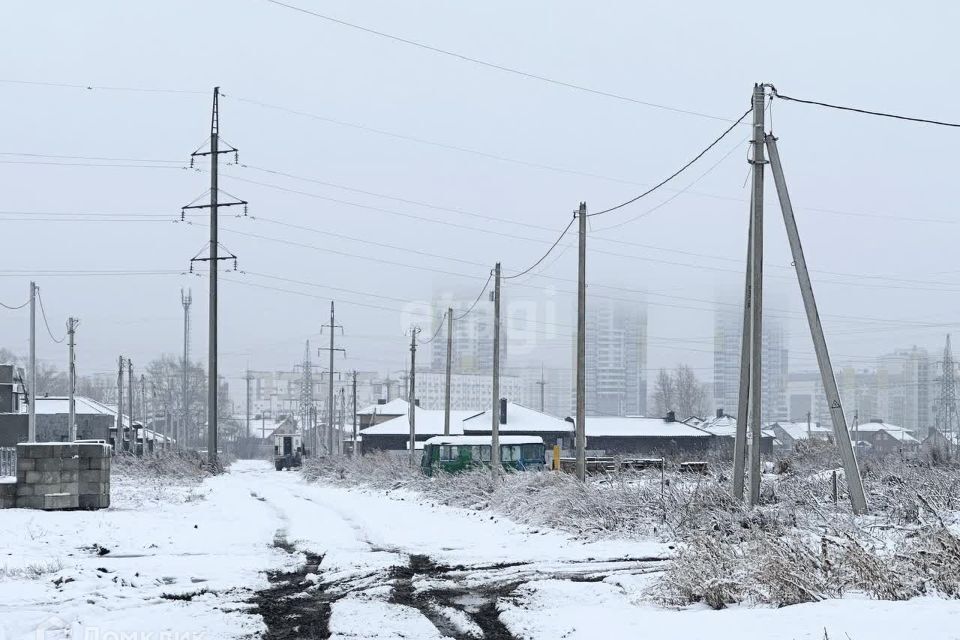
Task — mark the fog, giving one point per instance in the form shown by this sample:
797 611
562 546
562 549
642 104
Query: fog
440 135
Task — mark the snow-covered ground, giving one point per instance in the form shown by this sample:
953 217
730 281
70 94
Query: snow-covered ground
207 560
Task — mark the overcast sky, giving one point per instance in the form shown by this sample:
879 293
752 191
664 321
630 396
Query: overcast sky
875 198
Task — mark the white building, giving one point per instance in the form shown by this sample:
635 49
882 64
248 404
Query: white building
728 330
468 391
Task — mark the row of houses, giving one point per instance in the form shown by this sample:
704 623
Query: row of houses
386 427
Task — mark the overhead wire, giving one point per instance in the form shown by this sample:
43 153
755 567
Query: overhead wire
440 326
677 172
12 308
43 314
492 65
544 256
480 295
882 114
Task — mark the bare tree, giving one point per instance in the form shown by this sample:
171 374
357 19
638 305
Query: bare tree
664 393
691 394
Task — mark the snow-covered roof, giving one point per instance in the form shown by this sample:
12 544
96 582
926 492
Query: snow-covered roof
428 422
471 440
52 405
396 407
900 434
872 427
519 418
800 430
640 428
726 427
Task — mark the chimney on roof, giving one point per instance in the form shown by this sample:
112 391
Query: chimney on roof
670 417
381 401
720 412
877 421
416 402
503 411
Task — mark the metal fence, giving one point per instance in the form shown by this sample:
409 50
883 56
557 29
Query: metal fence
8 461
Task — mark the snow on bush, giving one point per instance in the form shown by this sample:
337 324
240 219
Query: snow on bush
797 546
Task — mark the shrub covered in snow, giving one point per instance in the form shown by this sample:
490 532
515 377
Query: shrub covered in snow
797 546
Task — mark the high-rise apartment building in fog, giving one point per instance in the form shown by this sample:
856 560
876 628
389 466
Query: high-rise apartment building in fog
616 362
727 333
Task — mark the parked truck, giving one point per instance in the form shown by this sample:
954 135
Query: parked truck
288 451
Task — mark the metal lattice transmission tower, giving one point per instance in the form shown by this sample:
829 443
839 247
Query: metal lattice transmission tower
948 421
306 390
186 299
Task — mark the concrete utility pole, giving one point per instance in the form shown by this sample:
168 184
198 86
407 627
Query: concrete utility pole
412 396
72 390
858 498
495 389
541 383
353 451
581 437
133 429
212 415
808 426
756 295
183 437
248 379
32 375
123 443
213 258
143 410
331 407
446 390
743 399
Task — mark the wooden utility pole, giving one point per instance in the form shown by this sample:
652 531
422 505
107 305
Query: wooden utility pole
72 372
143 410
495 388
412 396
756 295
248 379
446 390
858 498
581 438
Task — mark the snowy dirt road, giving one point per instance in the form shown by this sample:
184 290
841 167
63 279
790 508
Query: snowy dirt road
257 552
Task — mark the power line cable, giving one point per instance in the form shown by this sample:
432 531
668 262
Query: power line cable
544 256
437 332
480 295
93 87
6 306
677 172
492 65
869 112
68 157
43 313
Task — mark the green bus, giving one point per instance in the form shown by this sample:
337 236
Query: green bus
458 453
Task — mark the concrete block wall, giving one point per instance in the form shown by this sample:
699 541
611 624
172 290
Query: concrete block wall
63 476
8 495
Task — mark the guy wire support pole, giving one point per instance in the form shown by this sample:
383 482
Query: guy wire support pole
756 295
72 371
580 426
446 389
495 388
412 396
182 437
32 374
743 399
858 498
